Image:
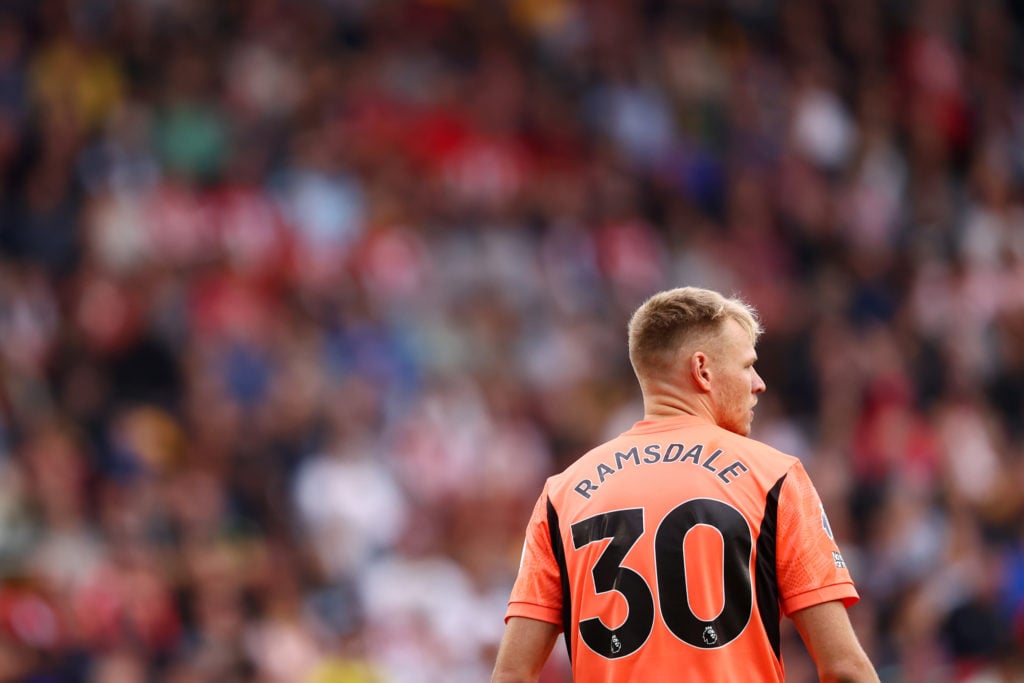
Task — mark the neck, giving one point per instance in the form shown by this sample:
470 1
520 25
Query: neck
660 405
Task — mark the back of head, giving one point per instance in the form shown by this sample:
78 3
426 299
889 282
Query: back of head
675 318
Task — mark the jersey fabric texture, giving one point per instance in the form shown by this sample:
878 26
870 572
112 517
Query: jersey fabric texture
672 551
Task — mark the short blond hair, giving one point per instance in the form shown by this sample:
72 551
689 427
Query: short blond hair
670 319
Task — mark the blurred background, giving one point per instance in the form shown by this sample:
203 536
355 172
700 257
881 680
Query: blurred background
301 301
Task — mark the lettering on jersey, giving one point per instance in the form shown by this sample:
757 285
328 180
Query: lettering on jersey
673 452
732 470
633 455
837 557
694 454
655 453
584 488
707 463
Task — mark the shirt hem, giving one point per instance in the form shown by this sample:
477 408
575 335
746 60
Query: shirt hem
841 591
532 611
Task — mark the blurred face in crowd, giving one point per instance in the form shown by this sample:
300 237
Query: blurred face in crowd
735 383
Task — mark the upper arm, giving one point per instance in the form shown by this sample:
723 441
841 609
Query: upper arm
524 649
830 638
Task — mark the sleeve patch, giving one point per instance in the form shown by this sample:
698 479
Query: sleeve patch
837 557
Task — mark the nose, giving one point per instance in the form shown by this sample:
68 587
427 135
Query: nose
758 385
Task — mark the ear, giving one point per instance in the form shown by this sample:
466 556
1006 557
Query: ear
700 370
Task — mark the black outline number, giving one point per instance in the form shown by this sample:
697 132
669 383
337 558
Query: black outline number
624 528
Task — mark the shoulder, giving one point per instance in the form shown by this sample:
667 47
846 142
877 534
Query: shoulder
758 449
767 463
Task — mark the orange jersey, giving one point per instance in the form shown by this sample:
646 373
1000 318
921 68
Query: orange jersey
673 550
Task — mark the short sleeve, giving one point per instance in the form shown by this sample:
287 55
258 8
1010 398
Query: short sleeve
537 592
811 569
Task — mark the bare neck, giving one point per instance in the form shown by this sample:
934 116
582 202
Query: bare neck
662 400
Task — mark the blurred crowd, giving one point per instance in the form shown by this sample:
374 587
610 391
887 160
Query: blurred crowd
301 300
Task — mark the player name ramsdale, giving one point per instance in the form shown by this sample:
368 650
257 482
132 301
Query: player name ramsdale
655 453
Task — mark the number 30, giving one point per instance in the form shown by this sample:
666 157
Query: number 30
624 527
